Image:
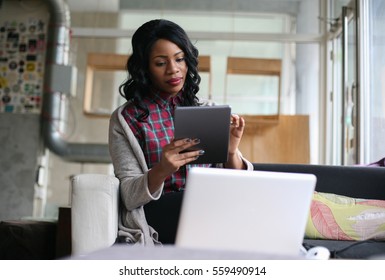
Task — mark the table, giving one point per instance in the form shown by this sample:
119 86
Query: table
172 252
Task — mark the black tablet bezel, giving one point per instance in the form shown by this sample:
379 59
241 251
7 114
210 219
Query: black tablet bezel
211 125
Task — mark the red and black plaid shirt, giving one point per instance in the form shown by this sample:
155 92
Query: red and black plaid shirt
156 131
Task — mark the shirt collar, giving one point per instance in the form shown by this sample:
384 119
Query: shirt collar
164 99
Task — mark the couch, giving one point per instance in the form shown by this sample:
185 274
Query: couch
351 181
95 202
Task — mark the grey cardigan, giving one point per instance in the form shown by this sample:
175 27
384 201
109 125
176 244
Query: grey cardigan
131 169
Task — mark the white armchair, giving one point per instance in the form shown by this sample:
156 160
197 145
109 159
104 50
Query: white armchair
94 212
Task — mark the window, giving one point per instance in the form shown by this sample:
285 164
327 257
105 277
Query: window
253 86
106 72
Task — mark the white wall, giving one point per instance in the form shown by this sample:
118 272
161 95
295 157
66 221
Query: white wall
308 74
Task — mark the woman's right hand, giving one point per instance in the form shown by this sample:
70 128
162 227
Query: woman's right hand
173 157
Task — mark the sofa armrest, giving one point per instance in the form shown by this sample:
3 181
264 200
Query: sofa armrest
94 212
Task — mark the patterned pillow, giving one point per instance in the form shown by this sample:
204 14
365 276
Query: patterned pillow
340 217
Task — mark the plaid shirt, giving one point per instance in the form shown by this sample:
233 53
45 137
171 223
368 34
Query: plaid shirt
157 131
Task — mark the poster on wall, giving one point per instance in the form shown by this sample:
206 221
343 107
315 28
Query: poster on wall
22 56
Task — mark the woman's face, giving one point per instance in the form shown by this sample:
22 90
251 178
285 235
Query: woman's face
168 68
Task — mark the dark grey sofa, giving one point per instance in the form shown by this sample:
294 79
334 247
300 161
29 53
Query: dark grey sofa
352 181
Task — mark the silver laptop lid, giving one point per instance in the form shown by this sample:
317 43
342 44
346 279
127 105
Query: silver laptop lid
255 211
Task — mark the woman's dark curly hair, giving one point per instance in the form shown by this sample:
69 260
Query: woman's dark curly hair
138 82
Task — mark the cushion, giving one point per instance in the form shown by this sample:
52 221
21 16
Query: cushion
27 240
340 217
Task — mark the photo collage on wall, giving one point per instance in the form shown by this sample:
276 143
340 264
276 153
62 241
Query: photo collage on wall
22 57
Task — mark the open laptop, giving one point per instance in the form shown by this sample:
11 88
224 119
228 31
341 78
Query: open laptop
254 211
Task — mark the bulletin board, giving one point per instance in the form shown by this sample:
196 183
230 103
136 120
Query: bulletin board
23 37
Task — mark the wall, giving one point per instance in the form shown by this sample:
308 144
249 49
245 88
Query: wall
18 164
308 73
283 140
22 53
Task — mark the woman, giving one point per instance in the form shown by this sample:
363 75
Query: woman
162 74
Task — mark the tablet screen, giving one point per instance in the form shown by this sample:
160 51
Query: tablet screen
210 124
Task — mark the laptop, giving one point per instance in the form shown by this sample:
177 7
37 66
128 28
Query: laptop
211 125
249 211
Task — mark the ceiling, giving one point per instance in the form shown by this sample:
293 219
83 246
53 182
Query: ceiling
93 5
262 6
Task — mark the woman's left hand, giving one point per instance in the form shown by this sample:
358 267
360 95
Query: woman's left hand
237 126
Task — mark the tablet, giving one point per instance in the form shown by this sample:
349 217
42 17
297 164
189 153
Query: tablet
210 124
